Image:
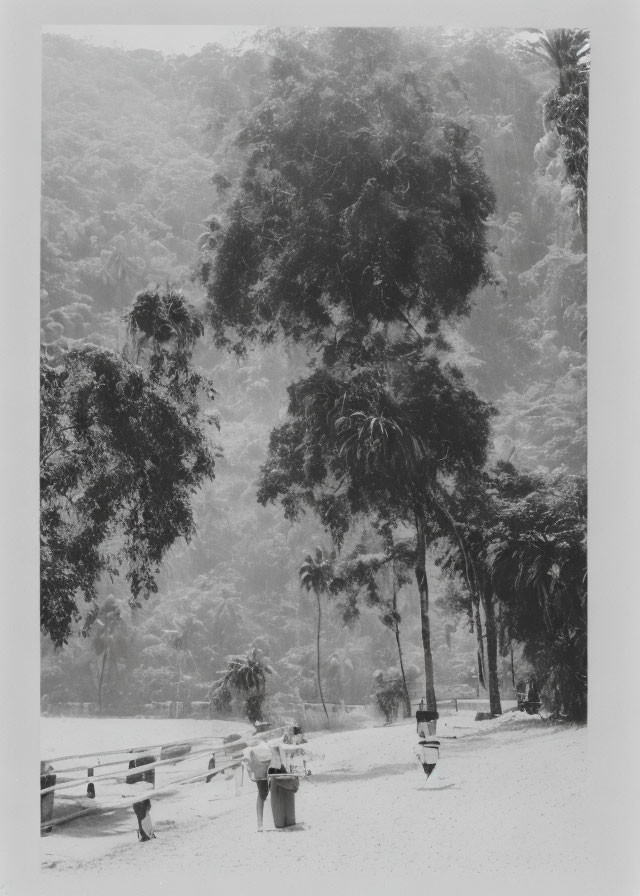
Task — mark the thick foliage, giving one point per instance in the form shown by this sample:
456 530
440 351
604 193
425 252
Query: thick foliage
540 574
245 676
566 107
126 178
388 695
371 440
121 455
129 139
360 202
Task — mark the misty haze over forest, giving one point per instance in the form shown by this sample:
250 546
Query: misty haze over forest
210 188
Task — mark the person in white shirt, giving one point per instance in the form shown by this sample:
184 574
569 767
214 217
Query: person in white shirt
257 760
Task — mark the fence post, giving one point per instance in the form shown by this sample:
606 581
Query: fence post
47 779
91 788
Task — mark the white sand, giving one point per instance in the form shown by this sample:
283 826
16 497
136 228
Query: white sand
508 795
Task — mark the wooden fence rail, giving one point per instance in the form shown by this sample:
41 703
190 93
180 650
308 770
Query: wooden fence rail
126 750
129 801
228 749
147 766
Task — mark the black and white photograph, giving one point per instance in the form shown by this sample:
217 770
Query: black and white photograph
314 509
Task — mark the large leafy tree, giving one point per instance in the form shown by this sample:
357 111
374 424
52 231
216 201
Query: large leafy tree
540 574
374 441
361 204
359 224
122 451
472 516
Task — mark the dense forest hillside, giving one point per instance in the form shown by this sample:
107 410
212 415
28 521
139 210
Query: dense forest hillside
141 167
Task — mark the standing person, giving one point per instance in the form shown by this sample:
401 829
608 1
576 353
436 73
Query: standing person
257 760
145 825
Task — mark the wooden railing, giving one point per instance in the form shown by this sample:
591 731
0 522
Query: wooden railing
223 757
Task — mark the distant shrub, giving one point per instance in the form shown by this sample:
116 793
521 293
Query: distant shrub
389 695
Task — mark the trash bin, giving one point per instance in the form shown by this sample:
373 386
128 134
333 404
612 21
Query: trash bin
47 779
283 799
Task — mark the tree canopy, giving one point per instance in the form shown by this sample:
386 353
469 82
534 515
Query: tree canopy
122 452
360 202
371 440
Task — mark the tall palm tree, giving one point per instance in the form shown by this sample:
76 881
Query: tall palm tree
315 575
567 106
566 49
109 638
181 639
227 621
246 675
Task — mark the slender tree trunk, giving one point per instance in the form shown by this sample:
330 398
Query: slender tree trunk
195 665
299 621
423 590
482 666
318 658
104 663
407 699
179 682
492 653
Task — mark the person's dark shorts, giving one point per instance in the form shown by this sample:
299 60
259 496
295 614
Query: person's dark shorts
263 789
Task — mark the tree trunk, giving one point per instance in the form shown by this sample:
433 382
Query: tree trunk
407 699
299 621
318 657
423 590
492 653
179 682
104 663
482 666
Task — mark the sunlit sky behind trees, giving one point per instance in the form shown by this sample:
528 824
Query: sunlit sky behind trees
168 39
